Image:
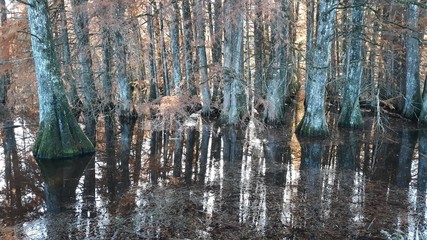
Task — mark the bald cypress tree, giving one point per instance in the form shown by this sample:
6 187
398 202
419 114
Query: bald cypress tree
59 134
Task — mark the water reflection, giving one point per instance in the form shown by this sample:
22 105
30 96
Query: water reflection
61 178
225 183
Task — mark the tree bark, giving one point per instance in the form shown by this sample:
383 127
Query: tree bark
81 27
412 106
188 47
72 93
217 44
203 62
154 90
176 53
4 54
166 85
259 50
59 135
350 115
277 85
234 106
314 123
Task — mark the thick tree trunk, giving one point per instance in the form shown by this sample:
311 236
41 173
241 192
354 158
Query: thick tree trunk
59 135
203 62
121 62
350 115
412 98
81 27
234 106
314 123
274 108
176 54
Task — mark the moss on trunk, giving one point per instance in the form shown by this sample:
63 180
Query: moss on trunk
60 136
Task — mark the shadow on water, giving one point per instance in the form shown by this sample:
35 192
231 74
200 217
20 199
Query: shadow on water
202 180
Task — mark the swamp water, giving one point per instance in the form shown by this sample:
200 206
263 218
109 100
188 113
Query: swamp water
210 182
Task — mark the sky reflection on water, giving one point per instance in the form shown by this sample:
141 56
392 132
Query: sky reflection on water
238 183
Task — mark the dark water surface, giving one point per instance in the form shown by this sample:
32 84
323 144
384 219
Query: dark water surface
208 182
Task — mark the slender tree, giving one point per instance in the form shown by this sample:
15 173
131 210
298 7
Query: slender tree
166 85
412 105
314 123
72 93
4 54
188 46
350 115
217 43
176 53
81 28
154 90
59 134
203 62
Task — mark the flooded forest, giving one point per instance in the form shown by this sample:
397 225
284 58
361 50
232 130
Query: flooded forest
213 119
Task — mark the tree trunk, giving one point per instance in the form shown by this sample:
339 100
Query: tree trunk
81 27
412 98
154 90
350 115
73 97
274 108
176 54
314 123
188 47
259 50
166 85
203 62
59 135
217 44
234 106
121 62
4 54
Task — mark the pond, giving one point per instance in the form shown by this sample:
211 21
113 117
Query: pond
201 180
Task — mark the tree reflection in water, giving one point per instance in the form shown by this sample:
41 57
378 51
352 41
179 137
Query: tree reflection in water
222 183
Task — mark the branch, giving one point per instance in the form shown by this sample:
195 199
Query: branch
24 2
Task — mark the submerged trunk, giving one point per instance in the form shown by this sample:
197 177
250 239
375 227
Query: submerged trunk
412 98
203 62
234 106
351 115
314 123
59 135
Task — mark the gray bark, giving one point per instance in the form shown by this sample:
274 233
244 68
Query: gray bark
59 134
176 54
81 28
277 85
314 123
234 106
154 90
72 93
4 54
203 62
217 43
120 53
412 105
259 50
188 47
164 54
350 115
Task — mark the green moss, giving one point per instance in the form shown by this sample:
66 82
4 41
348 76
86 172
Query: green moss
60 136
305 129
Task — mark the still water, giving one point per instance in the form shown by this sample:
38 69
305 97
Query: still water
204 181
